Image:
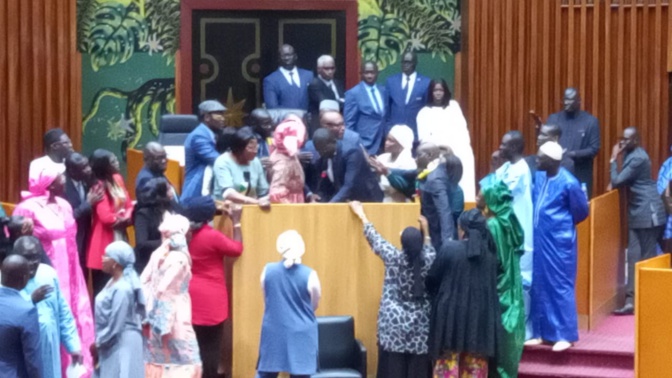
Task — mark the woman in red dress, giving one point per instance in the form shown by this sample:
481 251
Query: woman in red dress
209 296
111 216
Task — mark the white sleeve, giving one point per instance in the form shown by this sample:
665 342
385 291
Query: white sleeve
314 289
262 278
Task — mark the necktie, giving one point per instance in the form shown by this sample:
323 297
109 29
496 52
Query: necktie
333 89
376 105
406 88
80 190
291 78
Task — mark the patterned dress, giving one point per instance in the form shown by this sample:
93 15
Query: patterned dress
403 323
171 349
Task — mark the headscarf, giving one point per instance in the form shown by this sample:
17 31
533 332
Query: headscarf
38 186
412 243
289 136
479 239
404 135
504 223
175 228
52 136
291 246
199 209
124 255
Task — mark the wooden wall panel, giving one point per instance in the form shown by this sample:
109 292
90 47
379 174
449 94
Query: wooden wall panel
521 55
40 83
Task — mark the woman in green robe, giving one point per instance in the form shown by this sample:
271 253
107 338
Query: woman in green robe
508 236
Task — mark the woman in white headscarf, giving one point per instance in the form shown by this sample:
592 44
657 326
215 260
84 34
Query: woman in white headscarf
289 328
171 350
398 155
120 308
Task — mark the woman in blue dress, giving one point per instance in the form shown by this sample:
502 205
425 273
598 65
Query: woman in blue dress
289 328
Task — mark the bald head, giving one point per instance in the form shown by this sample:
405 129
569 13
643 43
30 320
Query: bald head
426 153
15 272
262 122
571 101
325 142
630 139
155 157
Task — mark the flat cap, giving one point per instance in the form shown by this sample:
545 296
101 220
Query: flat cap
211 106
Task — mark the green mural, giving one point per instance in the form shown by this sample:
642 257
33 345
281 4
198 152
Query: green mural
128 50
431 28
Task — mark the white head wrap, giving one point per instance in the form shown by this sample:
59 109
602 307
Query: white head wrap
552 150
404 136
291 246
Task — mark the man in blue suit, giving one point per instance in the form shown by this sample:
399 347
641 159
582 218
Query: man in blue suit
287 87
407 93
19 326
199 147
345 173
365 109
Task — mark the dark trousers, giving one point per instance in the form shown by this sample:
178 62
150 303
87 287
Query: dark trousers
403 365
641 246
210 346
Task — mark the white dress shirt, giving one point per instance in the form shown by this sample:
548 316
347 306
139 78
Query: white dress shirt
411 83
294 75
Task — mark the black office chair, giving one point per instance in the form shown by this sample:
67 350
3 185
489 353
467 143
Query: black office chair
340 354
174 128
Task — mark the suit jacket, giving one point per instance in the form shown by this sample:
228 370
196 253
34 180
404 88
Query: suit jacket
278 93
435 206
20 334
199 152
81 211
361 116
399 112
312 171
645 207
318 91
147 236
353 178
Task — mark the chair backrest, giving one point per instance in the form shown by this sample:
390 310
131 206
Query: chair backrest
174 128
279 114
336 341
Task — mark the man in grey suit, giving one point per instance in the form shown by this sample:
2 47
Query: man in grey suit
646 212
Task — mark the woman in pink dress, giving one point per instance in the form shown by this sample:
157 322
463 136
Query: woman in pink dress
56 229
171 349
286 173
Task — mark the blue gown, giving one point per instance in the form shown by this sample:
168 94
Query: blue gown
559 204
57 325
664 178
289 329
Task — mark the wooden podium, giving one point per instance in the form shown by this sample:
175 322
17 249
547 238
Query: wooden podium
653 327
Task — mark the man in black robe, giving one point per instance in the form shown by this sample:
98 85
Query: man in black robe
580 136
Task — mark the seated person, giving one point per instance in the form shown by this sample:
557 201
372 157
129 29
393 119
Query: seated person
239 176
345 173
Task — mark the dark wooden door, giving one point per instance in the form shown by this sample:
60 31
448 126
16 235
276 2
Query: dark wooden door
234 50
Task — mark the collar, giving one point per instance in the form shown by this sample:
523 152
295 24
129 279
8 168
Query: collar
328 82
430 168
411 76
286 71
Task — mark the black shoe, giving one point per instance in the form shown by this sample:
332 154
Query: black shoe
628 309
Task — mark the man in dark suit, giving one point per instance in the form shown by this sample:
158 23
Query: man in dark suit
345 173
323 87
287 87
156 162
549 133
365 109
646 212
580 136
78 193
200 147
407 93
19 326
